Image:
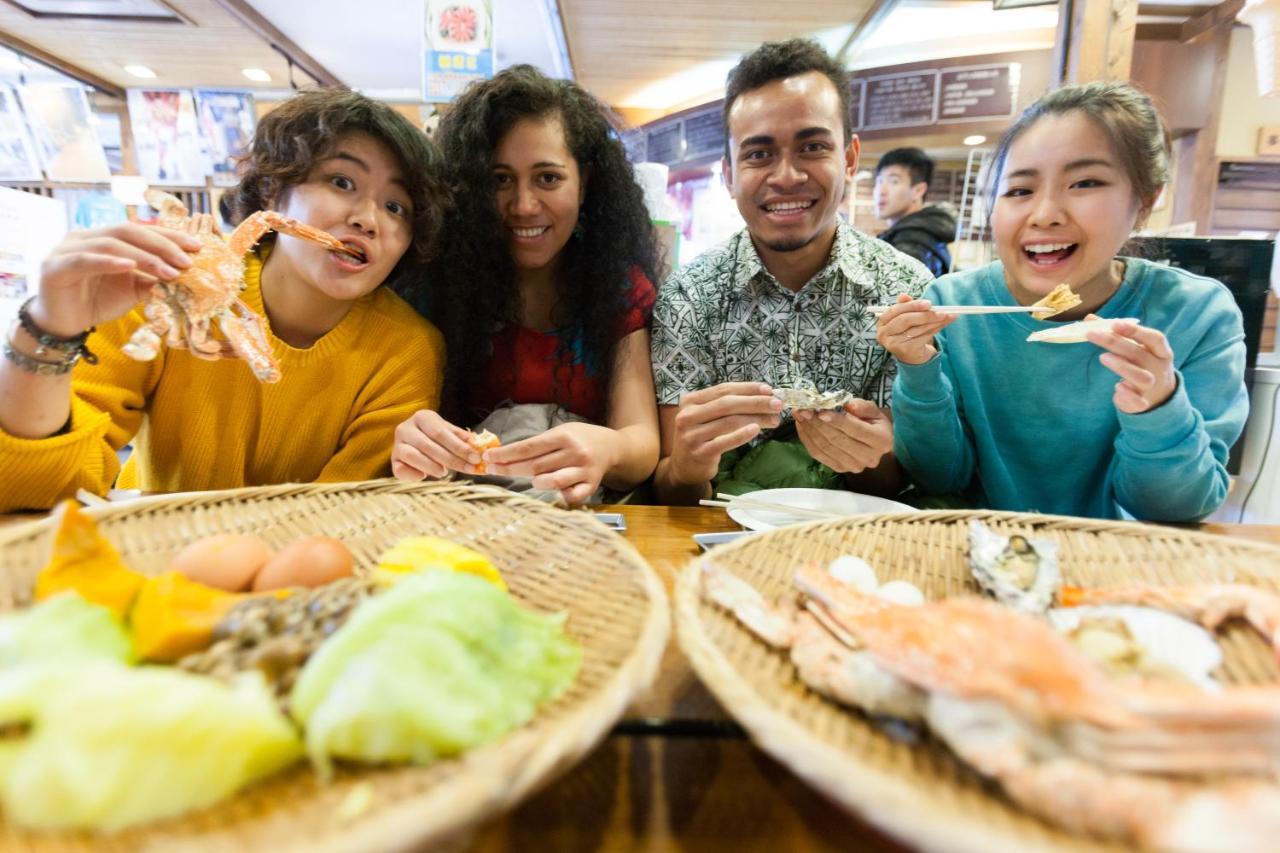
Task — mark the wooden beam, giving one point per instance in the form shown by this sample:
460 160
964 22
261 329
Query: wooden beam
267 31
42 56
1157 32
1223 13
1162 10
865 26
1197 176
1095 40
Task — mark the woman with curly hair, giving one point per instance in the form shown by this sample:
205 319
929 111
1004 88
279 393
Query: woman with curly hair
354 359
544 292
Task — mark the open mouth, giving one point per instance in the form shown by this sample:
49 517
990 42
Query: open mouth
530 233
788 207
1048 254
353 256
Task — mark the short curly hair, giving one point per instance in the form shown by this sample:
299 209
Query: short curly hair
778 60
473 284
305 129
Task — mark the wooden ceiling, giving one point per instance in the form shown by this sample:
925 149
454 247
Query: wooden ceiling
211 53
618 47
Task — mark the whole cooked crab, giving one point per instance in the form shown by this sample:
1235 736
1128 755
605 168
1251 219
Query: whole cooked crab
1162 764
180 312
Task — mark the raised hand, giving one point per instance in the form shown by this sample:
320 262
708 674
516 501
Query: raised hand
907 329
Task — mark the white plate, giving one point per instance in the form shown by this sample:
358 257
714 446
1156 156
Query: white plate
834 501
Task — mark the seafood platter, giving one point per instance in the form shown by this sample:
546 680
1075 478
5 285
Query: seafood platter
307 667
1006 681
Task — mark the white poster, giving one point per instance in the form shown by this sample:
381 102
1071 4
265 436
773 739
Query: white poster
30 225
166 137
17 153
62 126
227 122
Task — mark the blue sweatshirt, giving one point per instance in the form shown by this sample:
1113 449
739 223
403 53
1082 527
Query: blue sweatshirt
1032 426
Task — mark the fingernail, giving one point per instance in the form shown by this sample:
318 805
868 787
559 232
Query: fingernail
474 458
775 404
168 272
824 416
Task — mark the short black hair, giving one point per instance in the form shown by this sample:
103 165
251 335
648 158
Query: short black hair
778 60
918 164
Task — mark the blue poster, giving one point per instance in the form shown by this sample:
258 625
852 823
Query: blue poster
458 47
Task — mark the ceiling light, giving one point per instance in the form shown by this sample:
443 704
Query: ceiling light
976 139
257 75
141 71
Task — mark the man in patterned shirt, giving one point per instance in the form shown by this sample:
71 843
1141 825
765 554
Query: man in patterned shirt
783 301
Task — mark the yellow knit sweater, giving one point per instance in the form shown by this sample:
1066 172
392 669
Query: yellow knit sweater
199 424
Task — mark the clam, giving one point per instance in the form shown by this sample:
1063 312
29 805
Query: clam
1020 572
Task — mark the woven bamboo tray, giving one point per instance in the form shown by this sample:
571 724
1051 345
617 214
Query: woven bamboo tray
920 792
553 560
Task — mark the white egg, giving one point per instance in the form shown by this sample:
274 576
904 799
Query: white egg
854 572
901 592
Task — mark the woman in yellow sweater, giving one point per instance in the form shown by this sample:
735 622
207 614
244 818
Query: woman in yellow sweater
356 359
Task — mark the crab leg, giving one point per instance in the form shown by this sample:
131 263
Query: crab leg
252 229
248 340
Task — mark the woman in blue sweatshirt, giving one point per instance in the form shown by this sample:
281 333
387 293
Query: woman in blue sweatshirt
1135 422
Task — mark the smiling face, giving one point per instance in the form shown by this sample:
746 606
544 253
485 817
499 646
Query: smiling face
789 167
357 194
1064 207
895 195
539 191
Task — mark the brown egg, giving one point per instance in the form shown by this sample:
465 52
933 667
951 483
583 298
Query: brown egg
313 561
227 561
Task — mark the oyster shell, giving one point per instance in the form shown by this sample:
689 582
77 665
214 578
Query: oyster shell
803 394
1129 641
1022 573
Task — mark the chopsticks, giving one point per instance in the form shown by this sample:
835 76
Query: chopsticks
877 310
755 503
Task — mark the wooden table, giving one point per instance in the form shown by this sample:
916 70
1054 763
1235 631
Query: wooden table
677 774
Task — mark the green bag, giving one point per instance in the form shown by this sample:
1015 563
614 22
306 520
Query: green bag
780 462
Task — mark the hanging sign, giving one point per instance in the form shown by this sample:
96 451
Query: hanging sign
459 47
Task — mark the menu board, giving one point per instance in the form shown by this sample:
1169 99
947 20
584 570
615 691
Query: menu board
666 144
856 90
704 133
978 92
900 100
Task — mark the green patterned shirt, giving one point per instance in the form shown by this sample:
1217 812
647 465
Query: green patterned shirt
725 318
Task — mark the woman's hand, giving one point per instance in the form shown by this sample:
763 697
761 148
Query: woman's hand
571 459
93 277
426 445
1143 360
906 330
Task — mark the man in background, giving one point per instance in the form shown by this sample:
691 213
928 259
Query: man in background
922 231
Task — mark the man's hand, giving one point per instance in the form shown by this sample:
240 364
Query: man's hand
715 420
848 441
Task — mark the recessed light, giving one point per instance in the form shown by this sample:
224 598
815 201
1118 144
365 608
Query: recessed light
141 71
976 139
257 75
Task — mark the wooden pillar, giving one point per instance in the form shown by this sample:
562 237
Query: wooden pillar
1095 40
1197 152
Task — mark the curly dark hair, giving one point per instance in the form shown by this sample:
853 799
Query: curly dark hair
778 60
473 286
305 129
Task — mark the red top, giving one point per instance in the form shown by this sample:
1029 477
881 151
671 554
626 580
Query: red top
531 367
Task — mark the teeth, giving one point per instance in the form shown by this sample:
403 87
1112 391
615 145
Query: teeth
788 206
1049 247
360 255
529 232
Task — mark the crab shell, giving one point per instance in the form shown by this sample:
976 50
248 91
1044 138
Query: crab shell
997 571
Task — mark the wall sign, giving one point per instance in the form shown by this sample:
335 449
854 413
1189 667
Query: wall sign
704 134
1269 140
900 100
665 144
857 91
978 92
459 47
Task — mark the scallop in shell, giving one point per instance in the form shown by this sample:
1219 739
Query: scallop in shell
1022 573
1129 641
805 395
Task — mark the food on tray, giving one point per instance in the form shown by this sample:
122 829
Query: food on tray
1076 333
173 616
312 561
1127 641
65 627
1060 299
227 561
483 441
275 636
99 745
422 553
1020 572
803 394
1154 763
858 573
438 663
83 560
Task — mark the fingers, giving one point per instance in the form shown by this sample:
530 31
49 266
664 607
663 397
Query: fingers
907 330
848 442
739 389
430 444
525 450
408 463
533 466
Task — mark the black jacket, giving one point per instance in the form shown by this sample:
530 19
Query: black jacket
924 235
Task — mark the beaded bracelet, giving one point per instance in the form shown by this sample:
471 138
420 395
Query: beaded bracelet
73 346
36 365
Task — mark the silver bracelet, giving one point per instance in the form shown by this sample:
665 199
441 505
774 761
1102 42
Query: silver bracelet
38 366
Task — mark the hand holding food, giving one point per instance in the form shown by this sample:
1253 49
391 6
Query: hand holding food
848 441
426 445
570 458
907 329
1143 360
712 421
